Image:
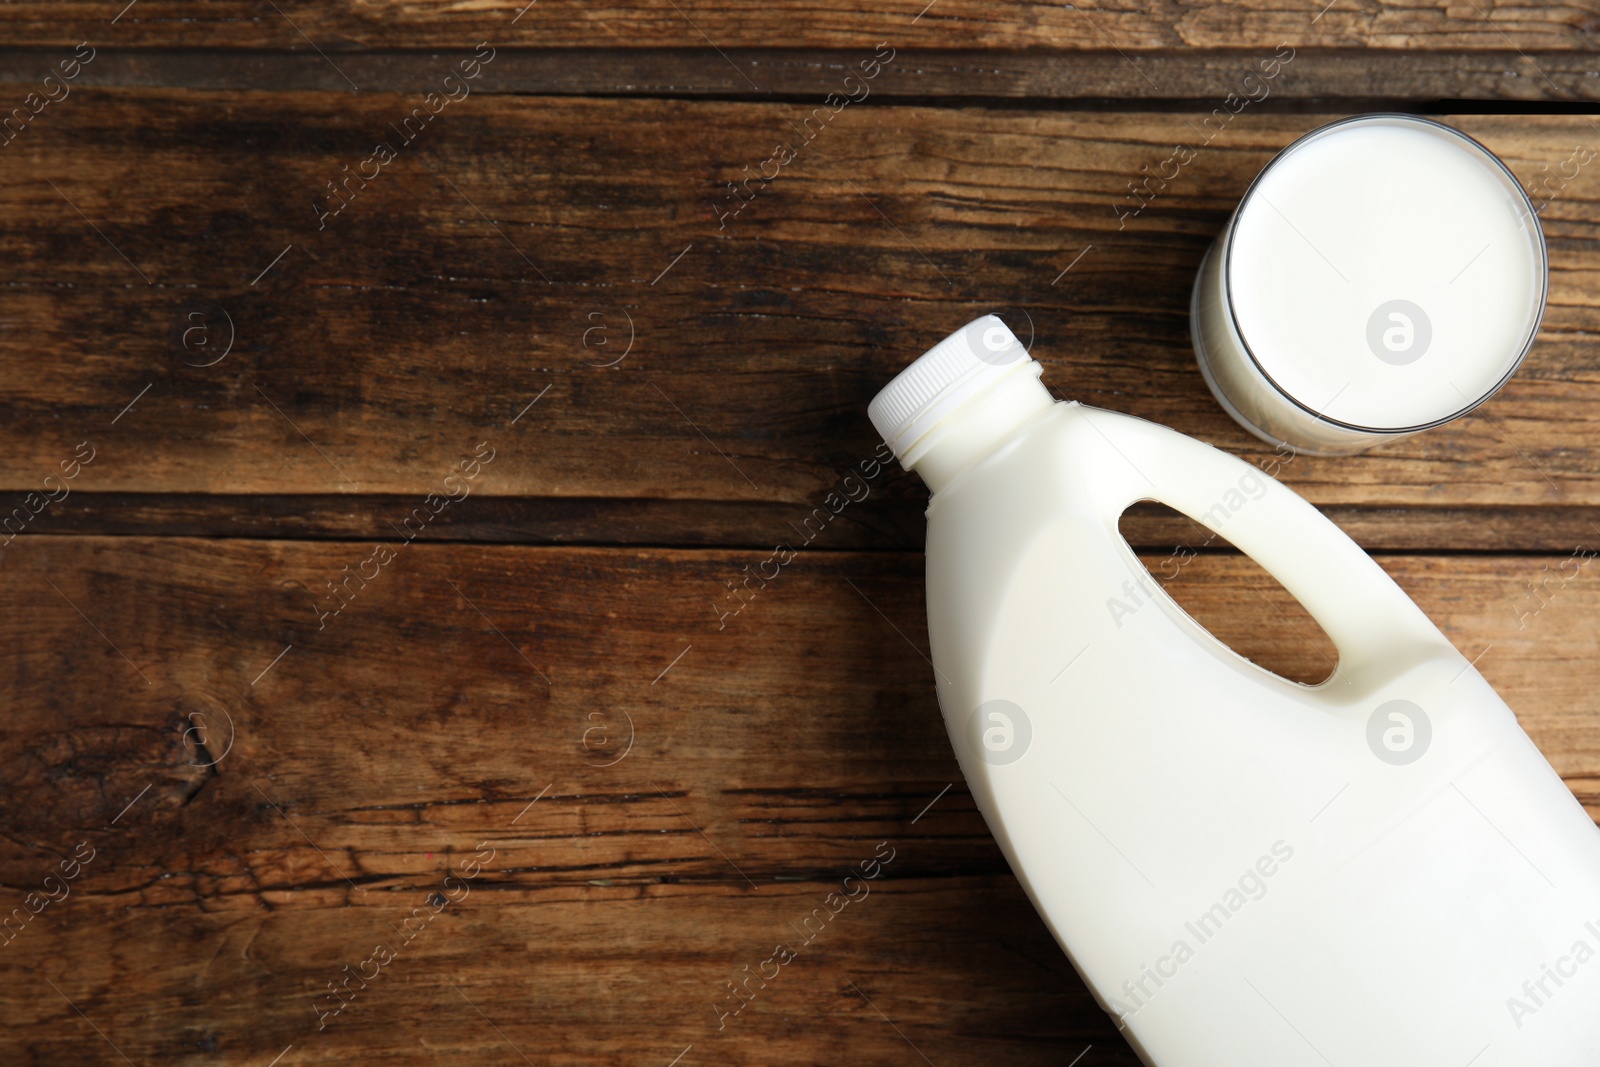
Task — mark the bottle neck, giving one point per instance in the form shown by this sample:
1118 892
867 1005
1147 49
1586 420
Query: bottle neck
978 427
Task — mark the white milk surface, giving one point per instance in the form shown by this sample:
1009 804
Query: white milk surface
1385 274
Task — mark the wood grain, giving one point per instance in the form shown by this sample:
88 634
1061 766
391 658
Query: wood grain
1125 24
1359 79
380 751
535 396
370 355
890 517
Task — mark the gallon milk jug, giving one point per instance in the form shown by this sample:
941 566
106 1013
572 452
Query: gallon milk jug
1380 870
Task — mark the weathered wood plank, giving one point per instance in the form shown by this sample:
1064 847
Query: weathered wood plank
371 355
747 23
891 516
236 870
1360 78
565 977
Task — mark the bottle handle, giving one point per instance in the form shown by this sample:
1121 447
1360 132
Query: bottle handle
1376 627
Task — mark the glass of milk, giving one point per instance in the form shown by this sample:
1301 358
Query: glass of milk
1383 275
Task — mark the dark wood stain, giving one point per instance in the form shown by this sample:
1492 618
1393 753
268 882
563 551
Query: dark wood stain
284 697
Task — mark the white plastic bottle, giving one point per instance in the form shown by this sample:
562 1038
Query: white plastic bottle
1377 871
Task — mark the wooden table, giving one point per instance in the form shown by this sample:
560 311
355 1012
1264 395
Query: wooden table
375 673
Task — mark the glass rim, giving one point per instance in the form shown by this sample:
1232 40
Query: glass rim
1541 249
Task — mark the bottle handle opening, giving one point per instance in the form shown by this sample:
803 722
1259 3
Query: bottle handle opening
1375 626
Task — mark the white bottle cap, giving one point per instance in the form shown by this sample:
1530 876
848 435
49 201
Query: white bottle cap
948 375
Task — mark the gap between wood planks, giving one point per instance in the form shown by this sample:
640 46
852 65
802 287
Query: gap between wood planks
891 523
